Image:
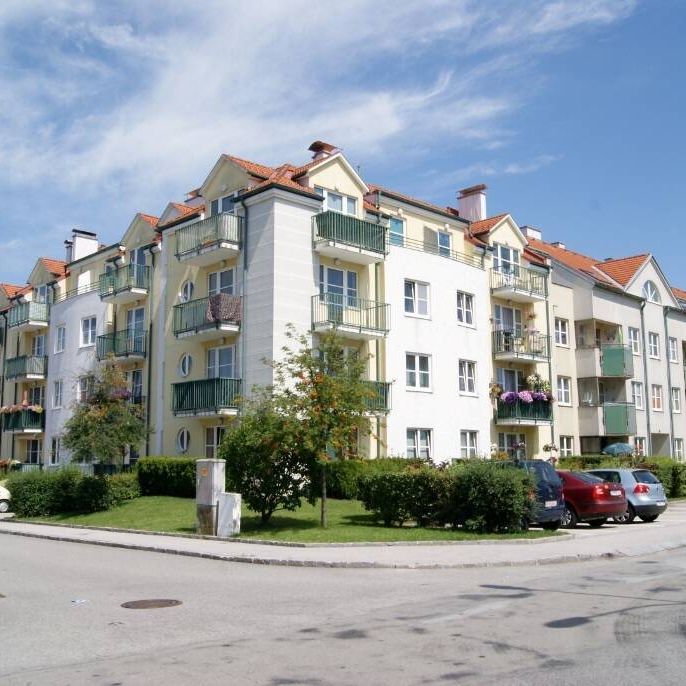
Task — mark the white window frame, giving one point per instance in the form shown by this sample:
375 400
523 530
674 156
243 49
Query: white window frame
38 345
55 449
653 345
566 446
634 336
89 331
564 390
60 338
346 201
562 332
513 259
656 398
396 237
32 443
188 289
414 367
84 384
499 312
679 448
465 308
673 349
640 445
218 276
183 440
57 394
637 394
651 292
217 434
469 443
185 365
506 439
466 377
676 400
444 239
212 366
421 448
418 299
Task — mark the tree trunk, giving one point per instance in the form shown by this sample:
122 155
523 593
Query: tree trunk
323 519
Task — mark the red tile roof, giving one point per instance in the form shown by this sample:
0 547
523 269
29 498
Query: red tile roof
623 269
56 267
283 176
11 289
680 294
254 168
485 225
153 221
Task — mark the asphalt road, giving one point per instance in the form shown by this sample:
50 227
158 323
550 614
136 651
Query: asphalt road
605 622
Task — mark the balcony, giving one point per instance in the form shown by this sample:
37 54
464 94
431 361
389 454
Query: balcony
29 316
125 284
519 284
352 317
518 346
126 343
24 422
379 399
26 367
605 361
349 238
208 318
608 419
206 398
210 240
521 413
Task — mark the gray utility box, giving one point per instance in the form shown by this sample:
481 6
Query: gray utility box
209 485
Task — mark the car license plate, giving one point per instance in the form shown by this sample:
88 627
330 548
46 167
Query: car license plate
551 503
615 493
659 504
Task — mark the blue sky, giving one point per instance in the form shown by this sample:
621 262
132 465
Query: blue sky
571 111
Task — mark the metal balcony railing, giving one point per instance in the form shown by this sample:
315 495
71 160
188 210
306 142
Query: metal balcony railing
350 312
521 344
121 343
208 233
205 396
204 313
350 231
24 420
379 399
28 312
519 279
26 365
124 278
538 411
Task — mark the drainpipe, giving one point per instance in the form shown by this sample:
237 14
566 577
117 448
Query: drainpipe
153 251
645 376
244 247
665 311
2 376
550 357
377 343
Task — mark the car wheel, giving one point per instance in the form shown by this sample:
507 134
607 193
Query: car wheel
596 523
4 506
645 518
569 518
627 517
551 526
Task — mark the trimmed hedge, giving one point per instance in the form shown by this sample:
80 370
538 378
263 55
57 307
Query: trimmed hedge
173 476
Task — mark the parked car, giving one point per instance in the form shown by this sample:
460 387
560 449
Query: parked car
645 494
550 505
4 499
588 498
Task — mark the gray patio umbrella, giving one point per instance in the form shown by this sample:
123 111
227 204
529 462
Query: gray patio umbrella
618 449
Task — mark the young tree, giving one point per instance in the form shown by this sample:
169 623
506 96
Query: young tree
105 423
322 392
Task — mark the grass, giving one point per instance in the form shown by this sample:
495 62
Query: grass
348 523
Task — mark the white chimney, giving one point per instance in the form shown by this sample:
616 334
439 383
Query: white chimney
532 232
472 203
82 244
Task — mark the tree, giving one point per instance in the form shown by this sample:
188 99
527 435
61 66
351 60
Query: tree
264 461
104 424
323 394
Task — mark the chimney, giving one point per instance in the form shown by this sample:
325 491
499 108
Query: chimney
320 150
472 203
532 232
558 244
82 244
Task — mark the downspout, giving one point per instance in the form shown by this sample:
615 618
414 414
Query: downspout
377 343
550 354
645 376
2 376
151 299
244 277
665 311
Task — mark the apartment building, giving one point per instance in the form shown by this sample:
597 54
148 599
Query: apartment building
470 323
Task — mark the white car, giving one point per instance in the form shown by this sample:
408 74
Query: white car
4 500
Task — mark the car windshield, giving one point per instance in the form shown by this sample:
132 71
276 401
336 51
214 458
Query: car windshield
643 476
588 478
543 471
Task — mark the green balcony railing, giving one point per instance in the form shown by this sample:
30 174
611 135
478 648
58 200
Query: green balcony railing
619 419
24 420
209 233
519 279
122 343
29 312
205 396
350 313
379 399
521 344
26 365
351 231
124 278
207 313
539 411
616 360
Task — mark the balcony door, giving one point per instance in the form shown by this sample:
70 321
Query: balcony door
135 329
220 282
505 260
36 395
510 379
138 263
221 363
507 319
135 384
38 346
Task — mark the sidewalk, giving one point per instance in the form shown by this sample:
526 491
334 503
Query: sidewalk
633 540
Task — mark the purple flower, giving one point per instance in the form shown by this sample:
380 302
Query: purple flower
509 397
539 395
525 397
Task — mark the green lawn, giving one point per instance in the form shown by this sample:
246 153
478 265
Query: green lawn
348 523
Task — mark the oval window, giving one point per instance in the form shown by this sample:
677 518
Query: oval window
186 293
185 365
183 439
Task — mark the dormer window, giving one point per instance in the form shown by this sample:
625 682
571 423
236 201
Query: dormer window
221 205
40 294
337 202
505 259
650 292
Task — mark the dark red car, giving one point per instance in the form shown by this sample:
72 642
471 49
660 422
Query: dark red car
590 499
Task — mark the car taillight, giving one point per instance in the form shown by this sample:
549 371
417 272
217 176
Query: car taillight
641 488
600 490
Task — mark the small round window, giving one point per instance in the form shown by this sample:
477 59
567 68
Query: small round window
651 293
185 365
183 439
186 293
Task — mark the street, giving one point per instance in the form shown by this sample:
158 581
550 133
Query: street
61 621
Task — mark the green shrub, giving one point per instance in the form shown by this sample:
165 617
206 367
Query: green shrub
91 495
34 493
173 476
122 487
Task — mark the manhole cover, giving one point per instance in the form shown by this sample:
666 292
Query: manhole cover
150 604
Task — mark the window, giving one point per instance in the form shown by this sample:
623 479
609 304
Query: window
88 331
339 285
650 292
416 298
57 394
220 282
507 443
40 294
84 388
468 443
566 446
564 390
444 243
419 443
185 365
637 394
673 350
397 232
38 345
186 292
34 448
656 397
213 439
337 201
183 440
510 379
679 448
36 395
465 308
505 260
508 319
676 400
561 331
55 450
640 445
220 363
467 377
225 204
635 340
60 339
654 345
417 371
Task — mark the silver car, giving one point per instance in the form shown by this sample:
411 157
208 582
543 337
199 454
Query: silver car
645 495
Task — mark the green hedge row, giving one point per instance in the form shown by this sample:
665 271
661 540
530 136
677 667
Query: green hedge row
40 493
478 496
173 476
